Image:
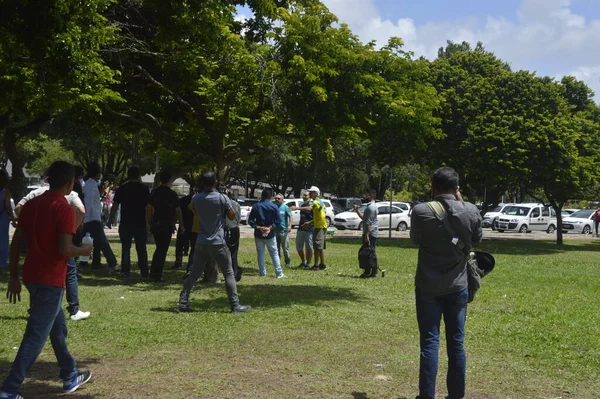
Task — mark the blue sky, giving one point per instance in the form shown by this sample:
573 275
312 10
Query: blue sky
551 37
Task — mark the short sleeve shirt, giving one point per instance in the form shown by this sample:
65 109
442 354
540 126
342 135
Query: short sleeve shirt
285 213
370 219
211 207
165 202
43 219
133 197
306 216
319 214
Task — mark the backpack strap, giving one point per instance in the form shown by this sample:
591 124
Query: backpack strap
441 214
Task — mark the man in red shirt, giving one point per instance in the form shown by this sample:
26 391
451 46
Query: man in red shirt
47 224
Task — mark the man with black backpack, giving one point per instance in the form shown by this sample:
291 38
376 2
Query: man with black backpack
442 279
163 211
370 228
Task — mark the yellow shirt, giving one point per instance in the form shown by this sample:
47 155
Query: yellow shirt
319 214
196 222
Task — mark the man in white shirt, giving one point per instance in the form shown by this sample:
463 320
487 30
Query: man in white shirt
92 223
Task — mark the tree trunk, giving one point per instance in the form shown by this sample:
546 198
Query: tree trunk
18 179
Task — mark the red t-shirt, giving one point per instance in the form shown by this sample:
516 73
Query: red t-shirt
43 219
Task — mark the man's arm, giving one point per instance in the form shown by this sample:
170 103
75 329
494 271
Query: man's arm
66 247
79 215
13 293
252 218
288 215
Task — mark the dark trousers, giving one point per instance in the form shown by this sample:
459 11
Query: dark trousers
430 310
193 239
72 287
162 239
372 268
184 241
232 238
101 244
128 233
46 318
596 223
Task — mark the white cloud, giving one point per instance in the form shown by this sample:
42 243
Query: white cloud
547 35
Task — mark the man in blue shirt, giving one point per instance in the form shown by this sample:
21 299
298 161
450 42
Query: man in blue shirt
264 219
283 230
212 208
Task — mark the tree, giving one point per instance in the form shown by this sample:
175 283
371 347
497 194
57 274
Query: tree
49 61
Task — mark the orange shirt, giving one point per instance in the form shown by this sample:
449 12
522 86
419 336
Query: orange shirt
43 219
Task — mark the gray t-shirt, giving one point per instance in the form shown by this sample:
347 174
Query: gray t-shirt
232 224
210 208
370 219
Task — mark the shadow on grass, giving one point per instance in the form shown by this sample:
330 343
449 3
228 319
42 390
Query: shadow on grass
508 246
270 296
2 317
42 380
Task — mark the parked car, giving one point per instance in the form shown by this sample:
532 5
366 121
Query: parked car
405 206
245 207
579 222
330 214
490 217
346 203
525 218
350 220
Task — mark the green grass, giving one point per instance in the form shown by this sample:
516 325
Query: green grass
532 332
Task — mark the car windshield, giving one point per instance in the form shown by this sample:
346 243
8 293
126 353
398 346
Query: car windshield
517 210
496 209
583 214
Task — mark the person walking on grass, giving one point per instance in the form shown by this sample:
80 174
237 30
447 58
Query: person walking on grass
7 216
92 223
232 238
71 283
319 222
304 236
264 219
283 230
163 211
212 208
370 231
596 219
184 241
47 225
441 286
133 199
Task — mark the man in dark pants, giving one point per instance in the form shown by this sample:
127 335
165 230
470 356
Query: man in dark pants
92 223
163 210
183 243
47 223
232 237
370 231
133 198
212 208
441 281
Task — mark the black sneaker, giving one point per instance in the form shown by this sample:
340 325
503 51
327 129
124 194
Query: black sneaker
183 308
315 267
176 266
365 275
322 266
240 309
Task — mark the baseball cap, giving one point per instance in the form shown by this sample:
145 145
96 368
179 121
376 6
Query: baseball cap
314 188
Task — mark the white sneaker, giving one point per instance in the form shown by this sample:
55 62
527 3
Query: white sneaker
117 268
80 315
282 276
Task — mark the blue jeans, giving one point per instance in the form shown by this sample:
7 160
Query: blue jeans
128 233
271 244
283 240
430 309
72 287
46 318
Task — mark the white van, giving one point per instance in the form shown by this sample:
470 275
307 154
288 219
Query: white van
329 215
525 218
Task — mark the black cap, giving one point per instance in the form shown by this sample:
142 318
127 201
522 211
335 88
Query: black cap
485 261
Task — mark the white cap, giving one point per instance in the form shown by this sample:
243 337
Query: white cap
314 188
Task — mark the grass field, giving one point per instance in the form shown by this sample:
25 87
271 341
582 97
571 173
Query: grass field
532 332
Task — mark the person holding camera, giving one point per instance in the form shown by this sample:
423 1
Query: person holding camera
441 281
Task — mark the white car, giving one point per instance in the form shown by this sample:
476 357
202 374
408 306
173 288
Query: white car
350 220
329 214
579 222
245 207
525 218
490 217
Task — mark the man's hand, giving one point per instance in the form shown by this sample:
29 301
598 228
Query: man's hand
13 293
181 230
86 249
289 228
458 195
366 239
355 206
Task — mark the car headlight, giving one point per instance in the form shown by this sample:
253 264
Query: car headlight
514 220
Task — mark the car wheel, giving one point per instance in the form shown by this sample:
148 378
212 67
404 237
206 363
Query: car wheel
360 226
587 230
494 223
328 219
500 231
523 229
402 226
551 229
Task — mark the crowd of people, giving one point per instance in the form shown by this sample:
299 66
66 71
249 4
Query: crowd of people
51 221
